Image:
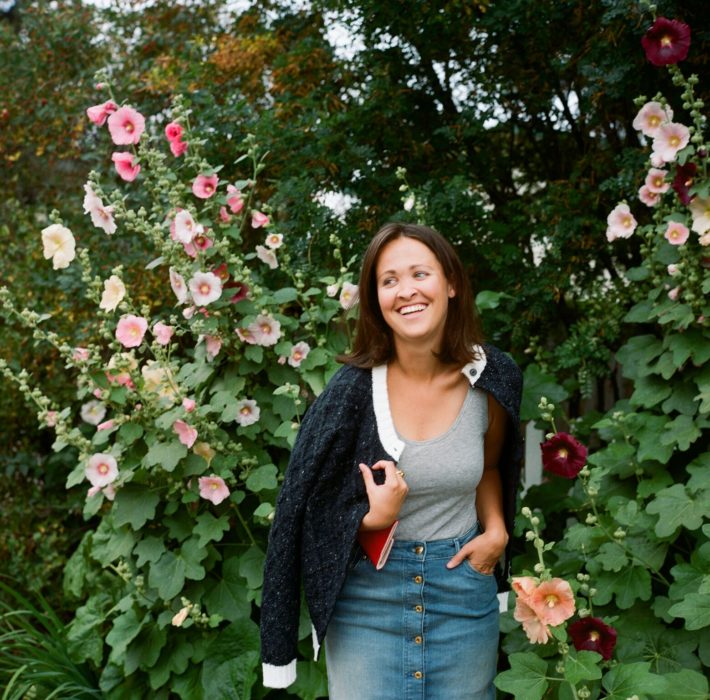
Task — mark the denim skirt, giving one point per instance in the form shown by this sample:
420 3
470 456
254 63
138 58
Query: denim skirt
414 629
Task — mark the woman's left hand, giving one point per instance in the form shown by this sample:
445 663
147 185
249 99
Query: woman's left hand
482 552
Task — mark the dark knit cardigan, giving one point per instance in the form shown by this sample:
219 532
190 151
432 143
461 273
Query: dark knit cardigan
323 499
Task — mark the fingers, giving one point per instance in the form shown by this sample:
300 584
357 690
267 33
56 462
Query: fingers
367 477
477 559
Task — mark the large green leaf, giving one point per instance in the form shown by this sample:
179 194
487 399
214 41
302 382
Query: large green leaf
637 356
135 505
684 685
167 575
527 677
582 666
626 680
166 455
676 508
124 630
537 384
695 609
228 597
681 431
209 528
262 478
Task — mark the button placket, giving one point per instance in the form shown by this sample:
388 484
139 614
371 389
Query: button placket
414 622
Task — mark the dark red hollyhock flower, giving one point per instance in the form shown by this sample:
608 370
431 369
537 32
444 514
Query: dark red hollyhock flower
666 42
563 455
593 634
242 291
683 181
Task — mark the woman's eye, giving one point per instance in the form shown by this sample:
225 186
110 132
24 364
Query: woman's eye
420 275
388 281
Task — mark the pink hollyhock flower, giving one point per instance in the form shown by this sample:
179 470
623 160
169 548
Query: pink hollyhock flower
213 488
332 289
204 186
59 245
282 359
620 223
126 126
189 404
649 198
670 139
113 294
101 469
205 288
99 113
676 233
700 210
673 270
106 425
274 240
163 333
349 295
248 412
265 330
552 601
93 412
177 283
173 131
656 181
650 118
130 330
666 42
201 242
180 616
683 181
593 634
177 148
258 219
189 312
267 256
245 335
563 455
51 418
99 394
101 216
123 161
186 433
705 240
224 215
299 352
234 200
213 344
80 354
185 227
673 294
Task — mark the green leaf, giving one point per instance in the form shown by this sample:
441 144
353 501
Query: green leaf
582 666
209 528
537 384
284 295
682 400
129 433
618 458
193 554
649 391
691 343
125 629
251 567
165 455
255 353
192 374
681 431
526 678
228 598
149 549
695 609
135 505
684 685
487 299
626 680
145 650
262 478
85 639
637 355
109 544
676 509
167 575
612 556
646 432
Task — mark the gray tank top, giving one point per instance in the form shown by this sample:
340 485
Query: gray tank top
442 475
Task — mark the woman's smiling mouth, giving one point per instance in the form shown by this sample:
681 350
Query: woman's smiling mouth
411 308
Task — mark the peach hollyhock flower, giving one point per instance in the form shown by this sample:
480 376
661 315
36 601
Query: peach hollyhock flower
93 412
205 288
205 451
349 295
673 294
80 355
123 162
666 42
656 181
670 139
265 330
126 126
234 200
159 380
650 118
177 148
267 256
205 186
59 245
299 352
620 223
274 240
177 283
258 219
248 412
180 616
186 228
676 233
700 210
213 488
704 240
186 433
537 631
99 113
130 330
648 197
101 216
173 131
163 333
552 601
101 469
113 294
189 404
213 344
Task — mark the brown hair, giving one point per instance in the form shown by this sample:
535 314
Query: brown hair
373 337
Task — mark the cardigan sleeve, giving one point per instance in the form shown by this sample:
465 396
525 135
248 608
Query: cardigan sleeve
328 421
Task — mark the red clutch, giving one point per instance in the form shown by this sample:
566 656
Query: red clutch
377 543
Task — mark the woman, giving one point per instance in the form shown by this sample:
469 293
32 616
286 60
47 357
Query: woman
419 427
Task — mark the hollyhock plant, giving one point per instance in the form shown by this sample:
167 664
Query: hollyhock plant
204 450
649 198
212 488
673 294
267 256
93 412
258 219
187 434
234 199
224 215
59 245
670 139
180 616
349 295
101 216
537 631
130 330
552 601
656 181
113 294
620 223
299 352
563 455
683 181
248 412
213 344
159 380
245 335
178 148
101 469
184 228
189 405
126 126
205 288
673 270
173 131
651 117
274 240
676 233
265 330
666 42
163 333
100 113
241 291
700 210
593 634
332 289
177 284
123 161
204 186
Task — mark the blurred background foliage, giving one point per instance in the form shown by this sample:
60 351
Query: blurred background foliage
512 119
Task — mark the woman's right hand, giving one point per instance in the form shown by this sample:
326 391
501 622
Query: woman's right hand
385 499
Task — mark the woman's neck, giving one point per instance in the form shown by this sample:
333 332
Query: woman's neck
418 363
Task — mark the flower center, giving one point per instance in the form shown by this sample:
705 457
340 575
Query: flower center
204 288
657 182
266 328
594 636
654 120
551 600
626 222
209 188
297 356
129 127
102 468
674 141
245 411
214 486
562 453
666 40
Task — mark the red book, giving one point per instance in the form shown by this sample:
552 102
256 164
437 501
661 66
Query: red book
377 543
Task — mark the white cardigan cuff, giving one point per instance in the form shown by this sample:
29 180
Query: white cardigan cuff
279 676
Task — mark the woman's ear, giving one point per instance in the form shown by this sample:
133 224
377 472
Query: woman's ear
451 292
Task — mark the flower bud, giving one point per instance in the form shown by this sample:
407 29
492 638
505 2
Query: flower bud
592 592
539 568
584 612
593 491
591 519
526 512
619 533
535 520
529 535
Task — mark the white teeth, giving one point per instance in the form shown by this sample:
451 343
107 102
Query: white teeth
411 309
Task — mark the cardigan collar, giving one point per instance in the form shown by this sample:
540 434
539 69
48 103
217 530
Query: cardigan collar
380 399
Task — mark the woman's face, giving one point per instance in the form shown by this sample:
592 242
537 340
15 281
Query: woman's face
413 292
